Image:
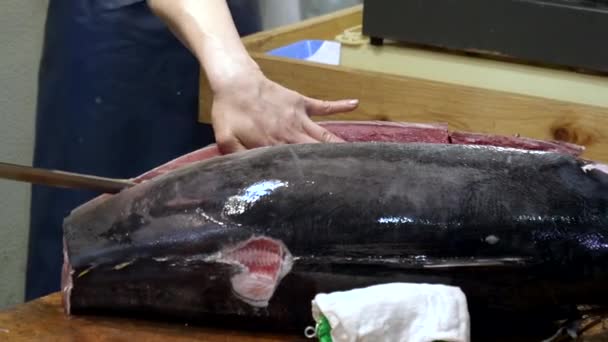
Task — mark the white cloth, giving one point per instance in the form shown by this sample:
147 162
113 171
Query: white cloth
400 312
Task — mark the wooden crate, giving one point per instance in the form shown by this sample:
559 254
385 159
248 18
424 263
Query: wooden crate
392 97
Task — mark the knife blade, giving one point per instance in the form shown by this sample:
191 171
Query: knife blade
63 179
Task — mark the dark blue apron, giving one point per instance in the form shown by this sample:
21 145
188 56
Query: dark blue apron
118 95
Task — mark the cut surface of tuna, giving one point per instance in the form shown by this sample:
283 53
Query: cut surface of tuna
515 142
385 131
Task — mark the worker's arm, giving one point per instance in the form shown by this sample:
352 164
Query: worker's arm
248 110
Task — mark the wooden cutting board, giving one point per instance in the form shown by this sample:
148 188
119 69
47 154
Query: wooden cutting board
44 320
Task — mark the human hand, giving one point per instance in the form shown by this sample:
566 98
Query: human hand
249 110
253 111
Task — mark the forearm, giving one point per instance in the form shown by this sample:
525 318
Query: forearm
206 28
248 109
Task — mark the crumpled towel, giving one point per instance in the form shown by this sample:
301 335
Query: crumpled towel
395 312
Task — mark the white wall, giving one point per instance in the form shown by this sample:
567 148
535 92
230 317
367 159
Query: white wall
282 12
21 30
279 12
313 8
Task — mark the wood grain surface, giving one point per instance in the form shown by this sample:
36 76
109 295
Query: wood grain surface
44 320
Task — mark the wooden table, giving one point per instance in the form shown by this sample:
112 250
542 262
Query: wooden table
44 320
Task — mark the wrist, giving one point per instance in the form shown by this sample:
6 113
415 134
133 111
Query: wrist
235 74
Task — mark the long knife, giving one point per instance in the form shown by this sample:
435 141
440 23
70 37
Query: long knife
62 179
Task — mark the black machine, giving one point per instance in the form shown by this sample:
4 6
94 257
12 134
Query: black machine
562 33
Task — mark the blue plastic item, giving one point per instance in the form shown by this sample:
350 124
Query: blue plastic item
303 49
321 51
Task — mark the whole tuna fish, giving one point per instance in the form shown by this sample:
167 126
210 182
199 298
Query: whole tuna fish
257 234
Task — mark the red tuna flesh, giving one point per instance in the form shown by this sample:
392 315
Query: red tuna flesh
385 131
467 138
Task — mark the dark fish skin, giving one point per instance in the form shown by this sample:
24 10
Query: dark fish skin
520 232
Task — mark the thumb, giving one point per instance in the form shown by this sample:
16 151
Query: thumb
229 145
321 107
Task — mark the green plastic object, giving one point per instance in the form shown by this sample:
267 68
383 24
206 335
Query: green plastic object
324 330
